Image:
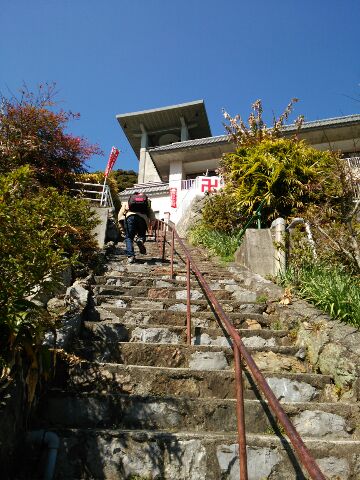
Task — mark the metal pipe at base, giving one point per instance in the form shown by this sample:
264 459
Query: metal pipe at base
52 442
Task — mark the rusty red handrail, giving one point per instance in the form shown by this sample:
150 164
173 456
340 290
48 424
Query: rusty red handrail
240 352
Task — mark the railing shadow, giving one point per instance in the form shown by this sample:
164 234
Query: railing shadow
277 430
112 432
229 330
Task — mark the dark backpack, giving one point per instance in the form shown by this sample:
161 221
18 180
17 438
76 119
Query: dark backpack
139 203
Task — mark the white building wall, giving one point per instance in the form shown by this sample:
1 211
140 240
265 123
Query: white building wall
176 174
147 170
161 203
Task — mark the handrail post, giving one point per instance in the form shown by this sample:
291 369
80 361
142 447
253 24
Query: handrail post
172 254
188 306
163 244
240 414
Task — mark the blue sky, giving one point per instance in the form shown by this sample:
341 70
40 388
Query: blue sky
118 56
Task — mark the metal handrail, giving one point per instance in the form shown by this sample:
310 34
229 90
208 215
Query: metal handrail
255 216
240 352
103 193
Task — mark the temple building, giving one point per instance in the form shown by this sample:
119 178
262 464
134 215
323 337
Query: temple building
178 156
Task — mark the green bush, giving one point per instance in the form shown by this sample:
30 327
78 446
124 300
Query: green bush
220 213
41 233
218 243
329 287
288 172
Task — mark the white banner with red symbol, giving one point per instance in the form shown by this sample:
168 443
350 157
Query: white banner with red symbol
112 159
173 197
209 184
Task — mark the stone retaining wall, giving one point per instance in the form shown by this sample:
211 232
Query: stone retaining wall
14 408
332 347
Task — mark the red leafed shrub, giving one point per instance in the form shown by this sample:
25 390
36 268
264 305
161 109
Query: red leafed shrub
33 133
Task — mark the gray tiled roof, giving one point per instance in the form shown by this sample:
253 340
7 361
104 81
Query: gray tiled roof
191 143
328 122
148 188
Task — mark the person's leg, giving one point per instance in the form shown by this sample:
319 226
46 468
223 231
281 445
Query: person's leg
141 228
130 231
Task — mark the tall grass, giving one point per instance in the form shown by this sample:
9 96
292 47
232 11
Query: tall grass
329 287
221 244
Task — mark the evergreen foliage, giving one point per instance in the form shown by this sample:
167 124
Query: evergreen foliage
124 178
42 231
288 172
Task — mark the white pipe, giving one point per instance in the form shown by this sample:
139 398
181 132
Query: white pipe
52 442
309 235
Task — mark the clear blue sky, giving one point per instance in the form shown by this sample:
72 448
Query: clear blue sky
118 56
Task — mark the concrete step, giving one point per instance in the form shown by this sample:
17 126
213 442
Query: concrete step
122 454
144 380
196 357
133 412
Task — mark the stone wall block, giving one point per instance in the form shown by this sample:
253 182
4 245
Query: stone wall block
334 360
313 337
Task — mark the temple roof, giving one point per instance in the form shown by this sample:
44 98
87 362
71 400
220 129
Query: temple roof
166 120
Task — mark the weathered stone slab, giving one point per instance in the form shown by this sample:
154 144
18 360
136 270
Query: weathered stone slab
194 295
260 461
334 468
205 339
208 361
321 424
273 362
258 342
287 390
154 335
181 307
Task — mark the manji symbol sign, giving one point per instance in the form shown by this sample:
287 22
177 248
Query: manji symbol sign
207 185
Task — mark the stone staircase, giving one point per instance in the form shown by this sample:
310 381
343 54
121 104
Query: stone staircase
145 405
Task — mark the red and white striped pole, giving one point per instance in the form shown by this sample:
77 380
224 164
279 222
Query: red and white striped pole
111 162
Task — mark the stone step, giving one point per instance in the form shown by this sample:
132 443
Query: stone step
248 316
157 268
136 412
148 279
195 357
232 275
176 305
117 330
151 293
228 292
141 280
121 454
143 380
